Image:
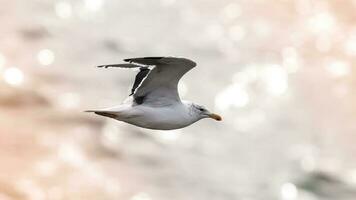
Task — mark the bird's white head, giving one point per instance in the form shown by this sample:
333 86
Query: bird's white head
201 112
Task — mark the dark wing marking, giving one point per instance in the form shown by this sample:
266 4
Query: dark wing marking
126 65
139 78
144 60
139 100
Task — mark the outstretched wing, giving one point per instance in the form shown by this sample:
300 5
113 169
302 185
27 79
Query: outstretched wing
160 86
157 86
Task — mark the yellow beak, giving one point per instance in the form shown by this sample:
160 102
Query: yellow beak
215 116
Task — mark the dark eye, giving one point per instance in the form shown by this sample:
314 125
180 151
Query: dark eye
201 109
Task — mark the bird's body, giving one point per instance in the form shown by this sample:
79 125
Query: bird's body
162 117
154 102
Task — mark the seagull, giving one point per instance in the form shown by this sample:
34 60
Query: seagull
154 102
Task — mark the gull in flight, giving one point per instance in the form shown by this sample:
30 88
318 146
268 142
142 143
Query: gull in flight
154 102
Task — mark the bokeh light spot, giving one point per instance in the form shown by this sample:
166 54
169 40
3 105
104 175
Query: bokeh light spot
308 163
290 59
69 100
231 11
338 68
289 191
234 95
141 196
63 9
276 79
350 46
71 154
237 33
13 76
93 5
45 57
322 23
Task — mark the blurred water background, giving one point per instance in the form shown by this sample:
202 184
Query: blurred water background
280 72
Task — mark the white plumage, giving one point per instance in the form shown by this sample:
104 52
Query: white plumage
154 102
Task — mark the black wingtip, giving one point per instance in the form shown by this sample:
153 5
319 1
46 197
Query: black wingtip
103 66
154 58
106 114
151 58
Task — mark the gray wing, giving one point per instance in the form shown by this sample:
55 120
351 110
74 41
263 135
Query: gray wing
157 86
160 87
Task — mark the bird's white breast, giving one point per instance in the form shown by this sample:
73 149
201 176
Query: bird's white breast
164 118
